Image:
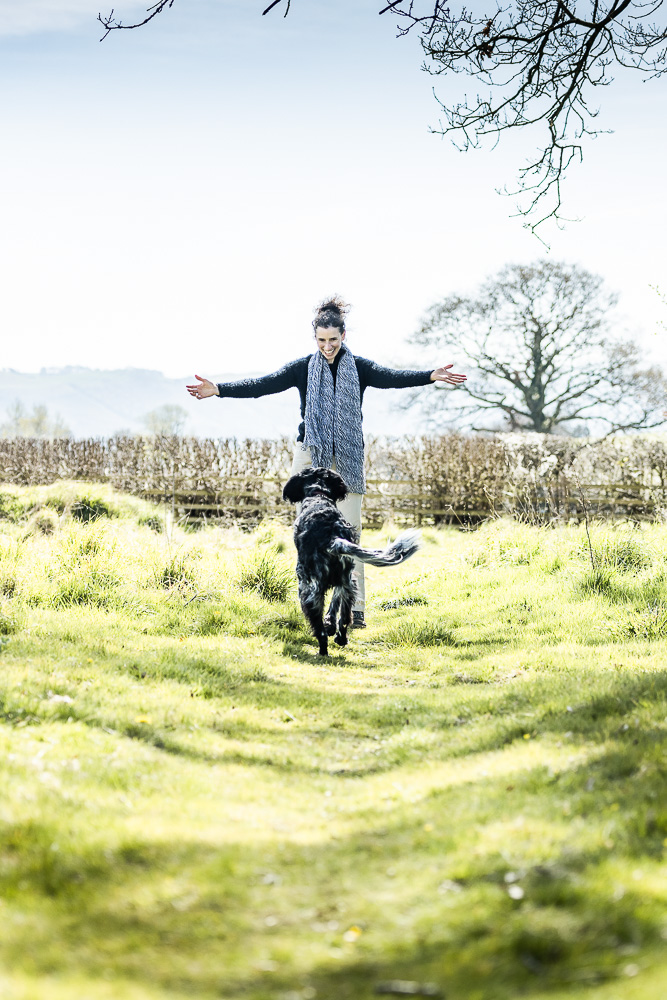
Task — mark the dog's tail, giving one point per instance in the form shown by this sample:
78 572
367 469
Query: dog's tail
396 552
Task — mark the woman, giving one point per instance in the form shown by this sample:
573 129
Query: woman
331 384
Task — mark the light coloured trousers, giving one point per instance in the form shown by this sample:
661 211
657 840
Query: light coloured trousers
350 508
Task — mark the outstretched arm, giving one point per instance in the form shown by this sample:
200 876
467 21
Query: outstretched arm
448 378
253 388
204 389
379 377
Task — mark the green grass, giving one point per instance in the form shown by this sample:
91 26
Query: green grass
192 803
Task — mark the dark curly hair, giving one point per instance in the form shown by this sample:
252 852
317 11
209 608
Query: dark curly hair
331 312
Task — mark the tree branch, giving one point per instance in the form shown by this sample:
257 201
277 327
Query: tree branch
538 61
111 24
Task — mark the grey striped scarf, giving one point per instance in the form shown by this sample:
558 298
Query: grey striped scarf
333 419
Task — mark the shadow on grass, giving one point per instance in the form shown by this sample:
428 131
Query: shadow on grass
458 721
192 917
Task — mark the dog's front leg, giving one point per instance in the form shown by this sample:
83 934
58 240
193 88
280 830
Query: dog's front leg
323 643
346 595
331 617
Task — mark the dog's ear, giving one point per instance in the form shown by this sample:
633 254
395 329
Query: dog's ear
293 489
336 486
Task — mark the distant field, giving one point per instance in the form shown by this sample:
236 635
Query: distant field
469 800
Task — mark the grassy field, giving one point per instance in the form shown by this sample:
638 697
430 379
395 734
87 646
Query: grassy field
469 801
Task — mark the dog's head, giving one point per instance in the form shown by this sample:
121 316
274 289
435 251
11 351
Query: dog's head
315 482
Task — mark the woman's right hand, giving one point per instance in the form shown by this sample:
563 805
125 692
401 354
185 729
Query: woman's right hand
204 389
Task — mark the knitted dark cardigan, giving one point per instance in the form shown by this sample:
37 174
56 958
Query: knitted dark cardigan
295 375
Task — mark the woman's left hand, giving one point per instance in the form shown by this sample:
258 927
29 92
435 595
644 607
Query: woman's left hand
449 378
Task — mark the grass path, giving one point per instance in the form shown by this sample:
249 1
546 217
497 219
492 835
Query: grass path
470 797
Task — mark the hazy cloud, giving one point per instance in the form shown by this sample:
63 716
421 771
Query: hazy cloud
30 16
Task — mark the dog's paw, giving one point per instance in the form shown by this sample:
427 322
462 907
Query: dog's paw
340 640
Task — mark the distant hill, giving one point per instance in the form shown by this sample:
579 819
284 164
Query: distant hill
99 403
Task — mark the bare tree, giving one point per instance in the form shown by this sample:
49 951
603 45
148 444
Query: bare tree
20 423
540 340
536 63
166 420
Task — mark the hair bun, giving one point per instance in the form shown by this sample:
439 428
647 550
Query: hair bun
333 304
331 313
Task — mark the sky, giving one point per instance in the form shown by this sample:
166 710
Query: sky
179 197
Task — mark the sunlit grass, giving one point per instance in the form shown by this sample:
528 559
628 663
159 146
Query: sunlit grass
193 803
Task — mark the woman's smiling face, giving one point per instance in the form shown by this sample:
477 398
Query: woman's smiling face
329 340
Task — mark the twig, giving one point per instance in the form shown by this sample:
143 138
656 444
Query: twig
112 25
275 4
588 534
195 597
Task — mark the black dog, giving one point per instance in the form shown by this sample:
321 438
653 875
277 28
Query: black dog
326 546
